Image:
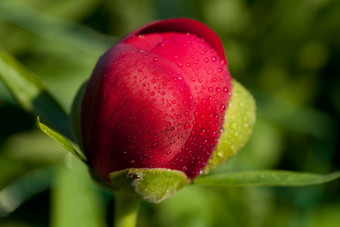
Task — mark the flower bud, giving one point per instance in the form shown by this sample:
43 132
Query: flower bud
156 100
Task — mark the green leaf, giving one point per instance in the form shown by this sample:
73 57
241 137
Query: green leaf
23 188
75 199
265 178
56 29
153 185
61 140
31 94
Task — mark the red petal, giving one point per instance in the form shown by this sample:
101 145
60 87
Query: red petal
133 111
210 82
183 25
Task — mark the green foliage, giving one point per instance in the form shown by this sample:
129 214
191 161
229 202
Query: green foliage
61 140
31 94
75 204
285 52
265 178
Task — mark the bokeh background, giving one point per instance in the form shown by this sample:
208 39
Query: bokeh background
286 52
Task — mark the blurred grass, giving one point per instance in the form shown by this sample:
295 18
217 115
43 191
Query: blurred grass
285 51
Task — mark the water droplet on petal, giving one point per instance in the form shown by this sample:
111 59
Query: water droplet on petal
202 131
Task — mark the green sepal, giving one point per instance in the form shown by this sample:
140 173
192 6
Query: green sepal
239 121
265 178
63 141
75 116
152 185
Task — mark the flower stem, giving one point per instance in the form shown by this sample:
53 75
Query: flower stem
126 210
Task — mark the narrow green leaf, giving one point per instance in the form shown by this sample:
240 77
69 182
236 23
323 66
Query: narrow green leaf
265 178
75 201
61 140
56 29
31 95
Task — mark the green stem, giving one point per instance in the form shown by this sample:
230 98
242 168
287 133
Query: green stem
126 210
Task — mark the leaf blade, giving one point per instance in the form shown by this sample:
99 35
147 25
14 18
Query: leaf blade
266 178
60 139
31 94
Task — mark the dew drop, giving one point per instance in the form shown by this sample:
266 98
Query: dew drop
202 131
152 93
222 107
186 125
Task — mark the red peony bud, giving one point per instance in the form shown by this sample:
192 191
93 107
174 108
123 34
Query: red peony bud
157 99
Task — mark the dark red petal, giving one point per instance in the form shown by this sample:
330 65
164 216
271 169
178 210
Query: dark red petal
183 25
134 111
210 82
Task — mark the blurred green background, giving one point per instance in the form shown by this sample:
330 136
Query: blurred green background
286 52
